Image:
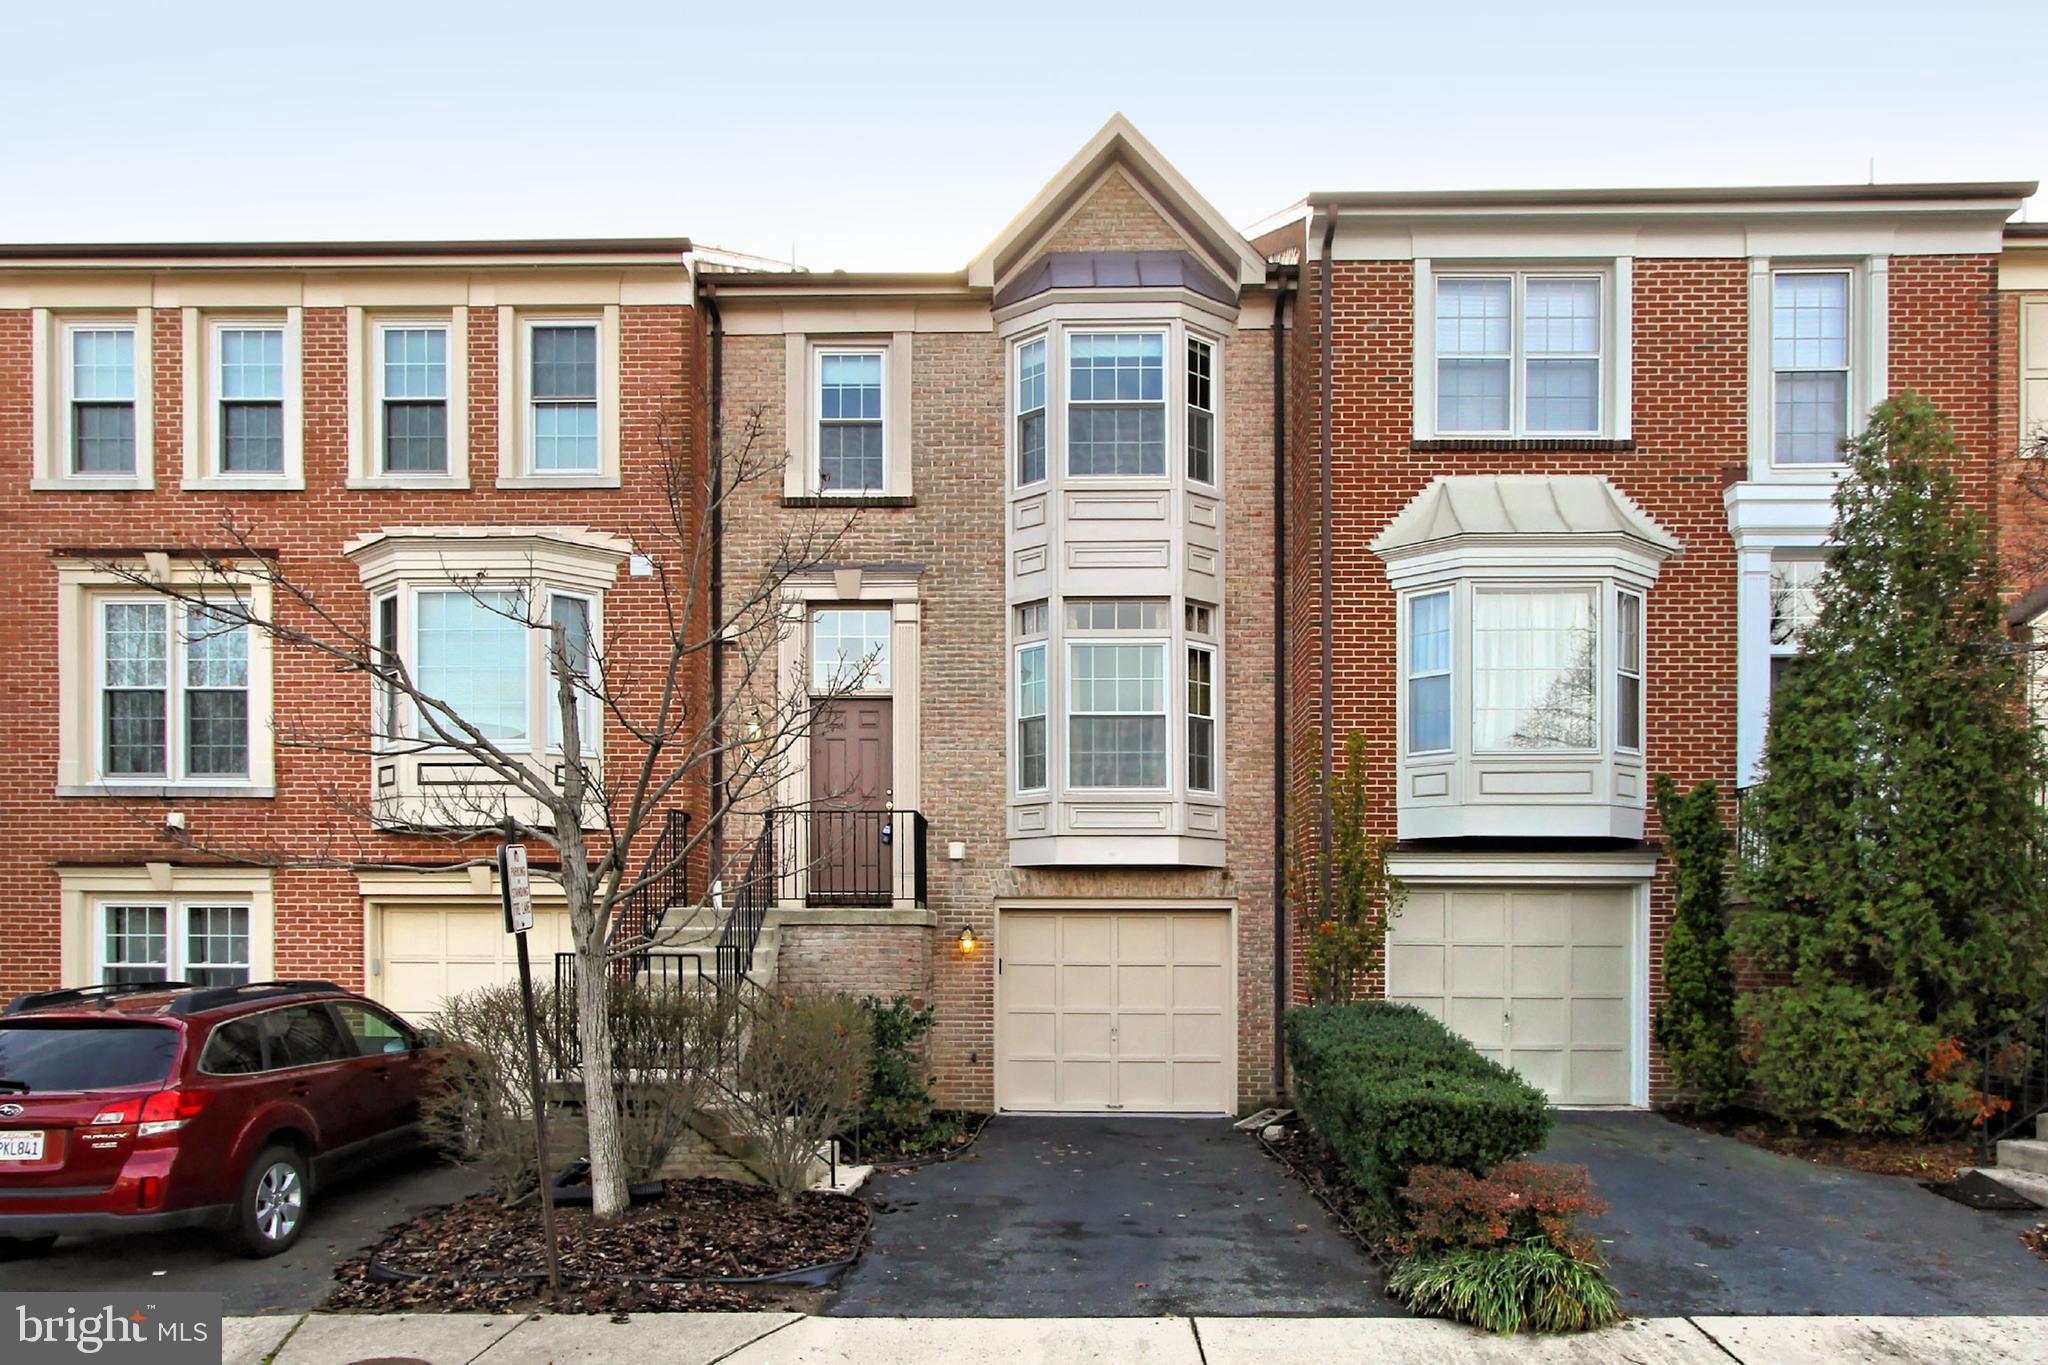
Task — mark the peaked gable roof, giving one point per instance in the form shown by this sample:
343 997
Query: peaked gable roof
1119 144
1520 505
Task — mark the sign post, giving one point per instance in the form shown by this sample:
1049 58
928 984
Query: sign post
517 887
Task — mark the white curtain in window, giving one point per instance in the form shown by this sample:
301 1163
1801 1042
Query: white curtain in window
472 658
1533 684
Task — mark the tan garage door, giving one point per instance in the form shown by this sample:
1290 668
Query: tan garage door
426 954
1103 1010
1536 978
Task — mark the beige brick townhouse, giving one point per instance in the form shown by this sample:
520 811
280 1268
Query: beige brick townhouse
1062 571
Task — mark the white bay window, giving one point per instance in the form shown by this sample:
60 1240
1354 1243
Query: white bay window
1522 650
1116 715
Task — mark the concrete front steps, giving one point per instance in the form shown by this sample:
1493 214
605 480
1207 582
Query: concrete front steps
2023 1164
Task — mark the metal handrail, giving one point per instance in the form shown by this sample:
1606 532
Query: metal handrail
664 881
833 856
2013 1069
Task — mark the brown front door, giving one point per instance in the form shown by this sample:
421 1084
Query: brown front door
852 781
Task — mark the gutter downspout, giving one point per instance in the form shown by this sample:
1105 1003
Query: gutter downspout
1281 413
1324 461
717 436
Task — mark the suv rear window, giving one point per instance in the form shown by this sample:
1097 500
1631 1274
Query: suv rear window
69 1054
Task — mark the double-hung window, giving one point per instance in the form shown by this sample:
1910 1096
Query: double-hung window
1116 404
1201 399
1116 694
1810 366
470 659
579 653
1534 680
1519 354
412 398
174 691
99 374
1031 412
1795 607
1201 718
563 396
204 943
1429 672
1031 697
249 394
1628 671
852 435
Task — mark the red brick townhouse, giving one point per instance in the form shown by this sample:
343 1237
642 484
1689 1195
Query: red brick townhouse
2023 419
379 418
1557 499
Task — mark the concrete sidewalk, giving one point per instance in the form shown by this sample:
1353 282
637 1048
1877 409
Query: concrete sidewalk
793 1339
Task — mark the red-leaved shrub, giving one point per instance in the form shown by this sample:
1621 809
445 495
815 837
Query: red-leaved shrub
1514 1202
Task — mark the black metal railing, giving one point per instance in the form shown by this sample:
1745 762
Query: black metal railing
2014 1077
663 881
751 901
833 857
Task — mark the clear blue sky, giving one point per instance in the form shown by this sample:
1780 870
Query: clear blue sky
877 136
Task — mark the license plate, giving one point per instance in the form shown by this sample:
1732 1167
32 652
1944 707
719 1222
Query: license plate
20 1146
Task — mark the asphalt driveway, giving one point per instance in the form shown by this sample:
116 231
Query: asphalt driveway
1106 1217
1703 1224
348 1217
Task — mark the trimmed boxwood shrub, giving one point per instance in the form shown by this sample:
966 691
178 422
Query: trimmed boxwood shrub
1390 1089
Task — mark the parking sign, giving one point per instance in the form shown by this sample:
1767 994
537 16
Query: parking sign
518 888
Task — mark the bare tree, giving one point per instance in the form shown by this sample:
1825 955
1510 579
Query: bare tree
705 712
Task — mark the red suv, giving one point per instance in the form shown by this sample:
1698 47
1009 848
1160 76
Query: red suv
153 1105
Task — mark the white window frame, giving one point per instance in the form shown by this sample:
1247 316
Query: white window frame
1518 357
1043 716
216 453
1214 717
177 921
67 456
530 404
1851 345
1409 675
1047 446
588 721
421 738
1596 593
389 723
868 684
175 687
379 469
1168 676
202 420
1625 669
1189 340
1172 395
815 474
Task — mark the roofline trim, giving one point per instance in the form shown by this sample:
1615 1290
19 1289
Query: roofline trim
1340 200
677 247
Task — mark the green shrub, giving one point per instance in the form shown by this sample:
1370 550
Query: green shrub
805 1074
1838 1054
1390 1089
1696 1031
1527 1286
898 1115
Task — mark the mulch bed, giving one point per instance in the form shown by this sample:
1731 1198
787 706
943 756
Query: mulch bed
967 1123
705 1229
1921 1158
2037 1241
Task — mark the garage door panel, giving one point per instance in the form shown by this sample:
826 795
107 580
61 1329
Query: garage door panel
1478 916
1539 978
1145 988
1477 970
1142 938
414 934
1089 986
1131 1010
427 953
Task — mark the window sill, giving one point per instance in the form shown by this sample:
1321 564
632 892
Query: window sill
398 483
136 484
229 483
1600 444
848 500
594 479
169 791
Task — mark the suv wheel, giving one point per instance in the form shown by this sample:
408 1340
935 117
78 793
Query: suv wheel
272 1209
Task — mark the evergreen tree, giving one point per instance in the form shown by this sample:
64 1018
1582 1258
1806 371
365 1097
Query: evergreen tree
1696 1032
1897 892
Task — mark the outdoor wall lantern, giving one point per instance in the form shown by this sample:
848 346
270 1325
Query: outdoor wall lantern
967 940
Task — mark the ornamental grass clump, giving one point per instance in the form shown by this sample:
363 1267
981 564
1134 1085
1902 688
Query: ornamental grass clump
1503 1251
